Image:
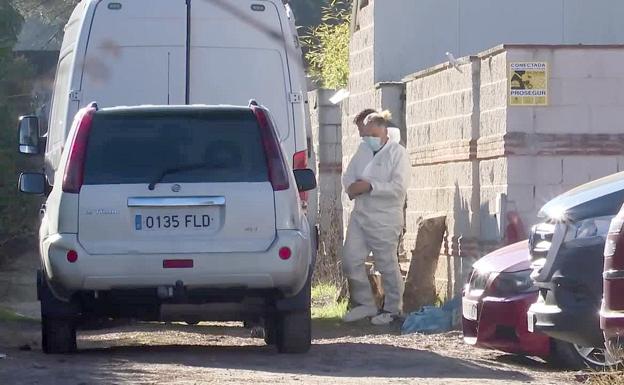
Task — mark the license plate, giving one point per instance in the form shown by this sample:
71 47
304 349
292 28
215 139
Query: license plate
531 322
153 222
469 309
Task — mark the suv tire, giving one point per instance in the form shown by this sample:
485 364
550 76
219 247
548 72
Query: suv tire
568 356
58 335
270 330
58 321
293 332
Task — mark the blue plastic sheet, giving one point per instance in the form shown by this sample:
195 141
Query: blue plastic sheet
431 319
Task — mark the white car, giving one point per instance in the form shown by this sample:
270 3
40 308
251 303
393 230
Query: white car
174 213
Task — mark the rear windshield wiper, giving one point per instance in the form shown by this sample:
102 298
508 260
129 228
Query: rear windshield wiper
173 170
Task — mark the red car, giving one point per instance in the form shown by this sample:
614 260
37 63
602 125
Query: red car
494 308
612 311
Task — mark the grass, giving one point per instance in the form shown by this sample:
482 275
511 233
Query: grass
606 378
325 303
9 315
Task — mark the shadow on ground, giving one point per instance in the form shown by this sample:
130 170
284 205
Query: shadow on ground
335 359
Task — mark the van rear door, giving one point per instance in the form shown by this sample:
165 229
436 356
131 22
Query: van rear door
136 54
238 53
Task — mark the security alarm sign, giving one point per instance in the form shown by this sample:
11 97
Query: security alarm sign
528 84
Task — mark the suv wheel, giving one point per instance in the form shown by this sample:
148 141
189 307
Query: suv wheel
58 321
270 331
293 332
571 356
58 335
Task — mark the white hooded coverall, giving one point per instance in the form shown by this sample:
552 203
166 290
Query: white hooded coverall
376 223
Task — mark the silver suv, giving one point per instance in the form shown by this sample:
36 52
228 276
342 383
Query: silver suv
176 213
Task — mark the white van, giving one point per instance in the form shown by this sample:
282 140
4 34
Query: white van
173 52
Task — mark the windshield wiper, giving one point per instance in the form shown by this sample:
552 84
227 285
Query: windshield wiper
173 170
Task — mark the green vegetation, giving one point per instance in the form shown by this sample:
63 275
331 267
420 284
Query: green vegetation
17 212
327 45
326 304
11 316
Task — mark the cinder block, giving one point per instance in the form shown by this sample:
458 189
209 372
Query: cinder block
493 172
607 119
562 119
493 95
585 63
521 120
330 115
522 196
582 169
330 134
548 170
589 91
493 122
545 193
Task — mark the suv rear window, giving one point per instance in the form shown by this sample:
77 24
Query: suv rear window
212 146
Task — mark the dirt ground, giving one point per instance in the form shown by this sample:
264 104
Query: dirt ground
154 353
223 354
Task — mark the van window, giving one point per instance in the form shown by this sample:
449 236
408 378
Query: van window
58 115
208 146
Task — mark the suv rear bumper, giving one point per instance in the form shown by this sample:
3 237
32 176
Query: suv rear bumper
575 324
261 270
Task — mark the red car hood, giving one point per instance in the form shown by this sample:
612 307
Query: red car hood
509 259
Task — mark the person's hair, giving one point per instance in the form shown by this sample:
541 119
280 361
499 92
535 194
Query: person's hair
379 118
359 118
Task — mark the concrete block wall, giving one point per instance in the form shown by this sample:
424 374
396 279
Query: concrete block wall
326 129
361 87
535 153
475 158
440 117
442 105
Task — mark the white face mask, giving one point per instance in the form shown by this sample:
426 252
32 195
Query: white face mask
373 142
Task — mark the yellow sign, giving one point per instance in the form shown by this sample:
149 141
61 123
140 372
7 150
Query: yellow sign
528 84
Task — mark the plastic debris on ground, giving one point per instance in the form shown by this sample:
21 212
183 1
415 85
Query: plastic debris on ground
432 319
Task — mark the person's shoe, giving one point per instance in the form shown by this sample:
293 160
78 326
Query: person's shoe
384 318
359 313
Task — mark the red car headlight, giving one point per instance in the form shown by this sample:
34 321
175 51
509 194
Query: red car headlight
510 284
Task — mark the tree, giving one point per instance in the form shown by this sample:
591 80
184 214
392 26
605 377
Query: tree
17 213
328 45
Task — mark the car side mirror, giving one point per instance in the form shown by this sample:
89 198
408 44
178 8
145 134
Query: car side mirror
32 183
305 178
28 135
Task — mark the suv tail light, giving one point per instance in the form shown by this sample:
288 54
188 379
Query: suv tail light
614 246
614 265
74 169
278 174
300 161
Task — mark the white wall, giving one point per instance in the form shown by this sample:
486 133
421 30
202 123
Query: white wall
419 32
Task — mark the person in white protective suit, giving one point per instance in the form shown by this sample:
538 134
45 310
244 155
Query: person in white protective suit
378 184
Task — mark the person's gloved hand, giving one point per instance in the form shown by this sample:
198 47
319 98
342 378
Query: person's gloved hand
359 187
